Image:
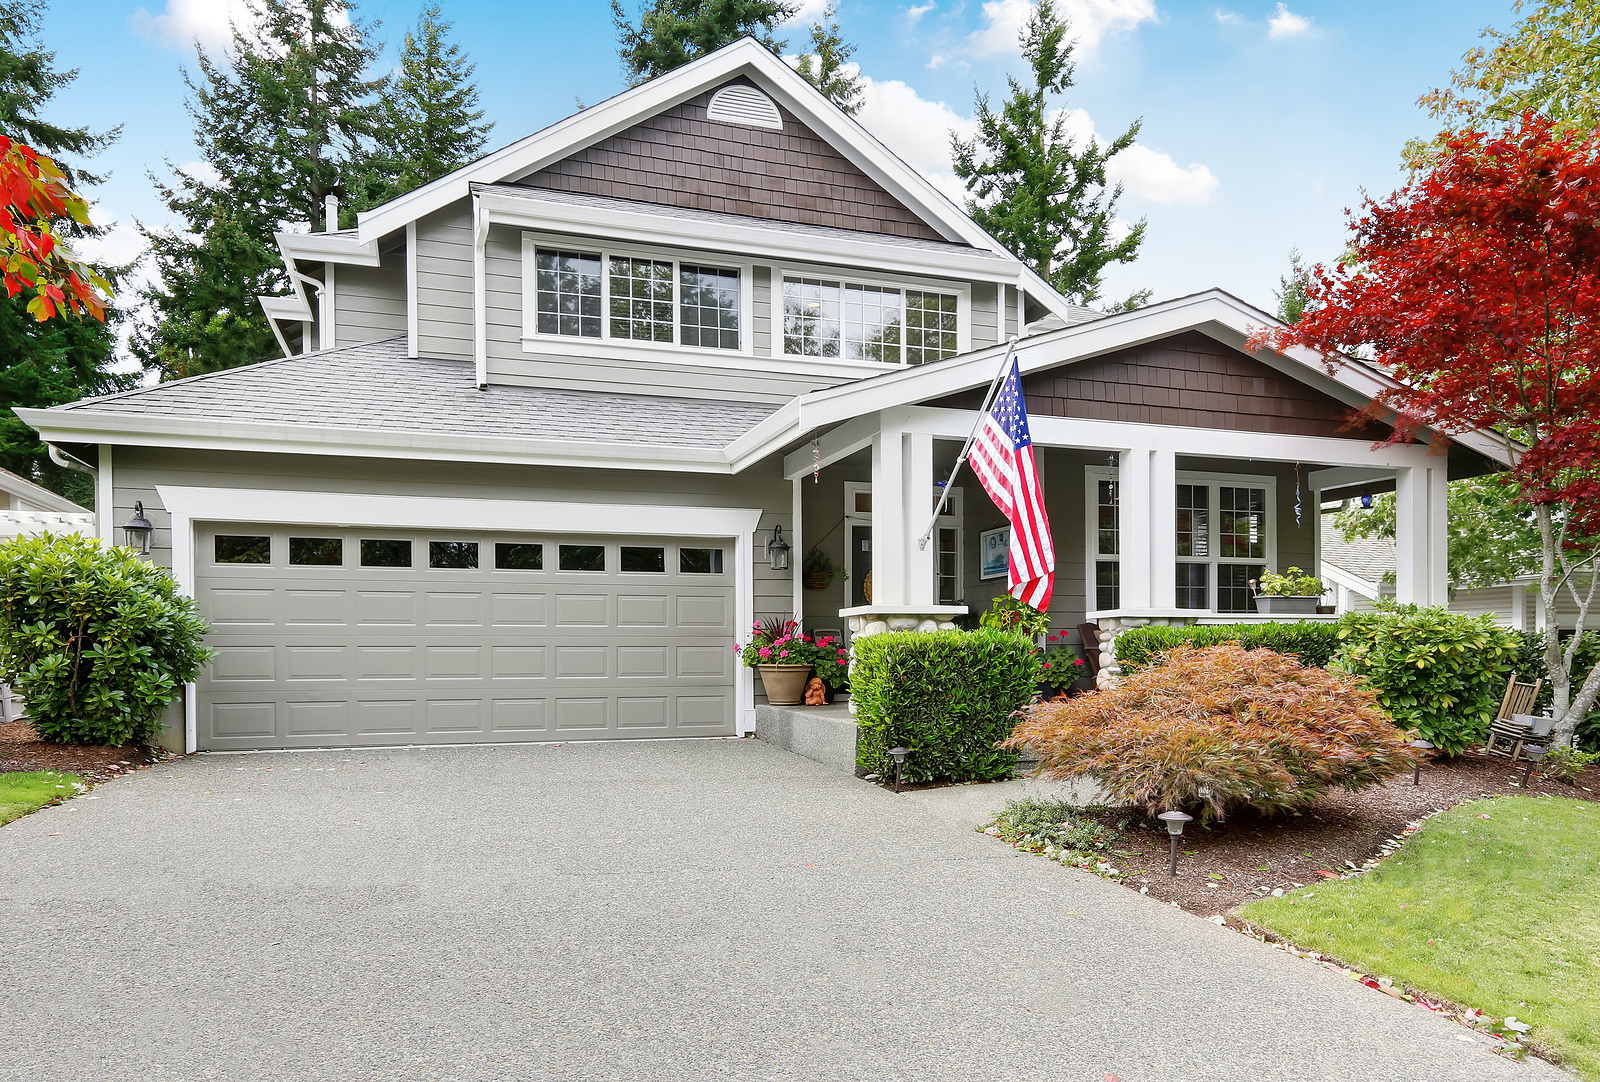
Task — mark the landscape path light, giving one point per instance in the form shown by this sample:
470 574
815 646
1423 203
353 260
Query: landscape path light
1534 755
1416 767
1174 821
899 764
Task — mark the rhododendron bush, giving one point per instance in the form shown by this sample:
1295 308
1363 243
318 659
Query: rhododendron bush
1217 729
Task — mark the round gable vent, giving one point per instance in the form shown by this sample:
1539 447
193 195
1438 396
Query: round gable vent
740 104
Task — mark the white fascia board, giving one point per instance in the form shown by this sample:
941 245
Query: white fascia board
769 240
785 418
745 57
450 512
328 248
37 497
144 430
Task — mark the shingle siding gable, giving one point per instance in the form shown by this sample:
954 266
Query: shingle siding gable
681 158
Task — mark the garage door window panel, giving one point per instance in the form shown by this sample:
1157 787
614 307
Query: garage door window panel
381 552
696 561
582 557
516 556
644 558
316 551
453 555
243 549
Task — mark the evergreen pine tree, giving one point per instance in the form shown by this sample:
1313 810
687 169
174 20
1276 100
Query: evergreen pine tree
66 358
283 117
824 66
1291 291
673 32
1034 188
428 115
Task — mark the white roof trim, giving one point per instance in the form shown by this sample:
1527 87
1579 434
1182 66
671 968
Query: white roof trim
39 497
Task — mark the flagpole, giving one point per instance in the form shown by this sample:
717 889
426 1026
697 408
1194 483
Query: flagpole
944 490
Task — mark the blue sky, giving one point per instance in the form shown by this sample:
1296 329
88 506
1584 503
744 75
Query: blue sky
1262 121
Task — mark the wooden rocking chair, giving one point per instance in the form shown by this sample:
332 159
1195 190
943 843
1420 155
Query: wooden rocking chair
1507 726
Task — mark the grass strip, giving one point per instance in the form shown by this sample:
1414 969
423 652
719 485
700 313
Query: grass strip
29 791
1492 905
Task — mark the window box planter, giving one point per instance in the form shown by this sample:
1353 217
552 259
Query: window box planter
785 685
1287 605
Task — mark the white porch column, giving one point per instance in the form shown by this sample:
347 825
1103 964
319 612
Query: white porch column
797 556
1163 529
1519 607
1422 573
917 458
889 518
1135 528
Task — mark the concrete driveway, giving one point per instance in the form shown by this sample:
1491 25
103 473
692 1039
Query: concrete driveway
660 911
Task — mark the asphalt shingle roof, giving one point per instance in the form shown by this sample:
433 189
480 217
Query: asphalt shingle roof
376 386
1368 558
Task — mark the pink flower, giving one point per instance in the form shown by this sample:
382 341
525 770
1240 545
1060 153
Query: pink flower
1047 664
842 651
765 652
1077 661
783 653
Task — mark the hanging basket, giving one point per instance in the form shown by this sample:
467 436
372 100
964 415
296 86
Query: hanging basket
817 580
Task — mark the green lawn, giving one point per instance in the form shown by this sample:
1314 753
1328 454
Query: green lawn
1494 904
24 793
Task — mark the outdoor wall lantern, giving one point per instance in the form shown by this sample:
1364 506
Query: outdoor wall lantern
137 530
1174 821
1416 768
778 550
899 764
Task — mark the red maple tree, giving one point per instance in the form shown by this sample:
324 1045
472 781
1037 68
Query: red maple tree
33 195
1477 286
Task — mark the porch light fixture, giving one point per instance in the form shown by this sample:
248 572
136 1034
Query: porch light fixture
778 550
137 530
1174 821
1416 768
899 764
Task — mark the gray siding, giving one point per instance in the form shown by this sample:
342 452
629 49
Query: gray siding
139 470
761 298
985 314
1011 311
370 302
444 282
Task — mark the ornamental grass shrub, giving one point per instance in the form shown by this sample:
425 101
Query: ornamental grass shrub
1214 729
949 696
94 639
1435 671
1313 642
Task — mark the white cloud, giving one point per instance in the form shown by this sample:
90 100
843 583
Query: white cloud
936 61
1285 23
915 13
1154 177
807 12
1090 20
204 172
1229 18
186 21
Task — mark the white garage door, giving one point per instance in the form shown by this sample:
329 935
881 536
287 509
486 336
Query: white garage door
331 637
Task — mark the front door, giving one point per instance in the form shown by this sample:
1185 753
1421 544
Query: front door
861 563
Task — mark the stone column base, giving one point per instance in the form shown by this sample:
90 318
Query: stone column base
865 621
1110 674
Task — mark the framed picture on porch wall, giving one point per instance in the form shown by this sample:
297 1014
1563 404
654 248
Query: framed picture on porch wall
995 546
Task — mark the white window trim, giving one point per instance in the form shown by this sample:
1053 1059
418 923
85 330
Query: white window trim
1094 474
605 346
961 290
188 505
952 519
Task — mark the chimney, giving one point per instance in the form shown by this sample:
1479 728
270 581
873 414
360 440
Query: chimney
330 208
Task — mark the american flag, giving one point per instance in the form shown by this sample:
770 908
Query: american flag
1002 457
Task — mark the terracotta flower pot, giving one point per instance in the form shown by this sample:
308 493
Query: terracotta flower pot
785 684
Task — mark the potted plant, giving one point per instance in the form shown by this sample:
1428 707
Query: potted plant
830 661
817 571
1064 670
777 651
1293 593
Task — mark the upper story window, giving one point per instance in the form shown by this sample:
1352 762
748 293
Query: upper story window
859 322
627 297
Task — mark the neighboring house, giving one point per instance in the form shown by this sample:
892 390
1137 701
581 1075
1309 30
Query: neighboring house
31 509
1361 571
518 475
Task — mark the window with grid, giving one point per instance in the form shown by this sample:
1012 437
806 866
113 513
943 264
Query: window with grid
1194 582
567 293
947 565
1233 587
930 326
641 299
1194 520
810 317
708 306
1107 585
1108 542
1242 523
871 324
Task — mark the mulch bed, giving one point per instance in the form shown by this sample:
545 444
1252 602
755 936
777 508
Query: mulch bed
1250 851
21 749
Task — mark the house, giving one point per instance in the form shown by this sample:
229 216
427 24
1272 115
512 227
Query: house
31 509
544 428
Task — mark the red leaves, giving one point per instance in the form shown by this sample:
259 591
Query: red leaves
1477 285
33 193
1219 728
